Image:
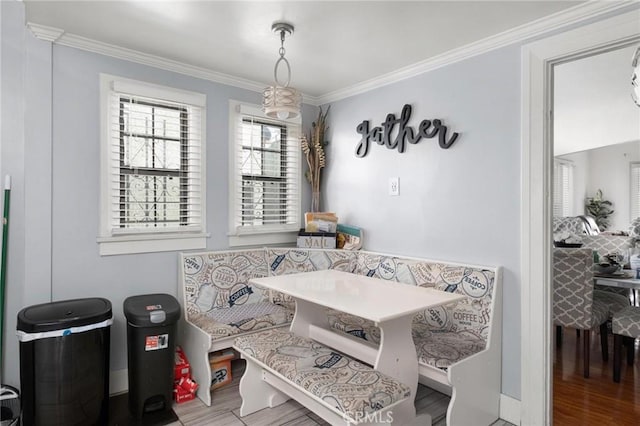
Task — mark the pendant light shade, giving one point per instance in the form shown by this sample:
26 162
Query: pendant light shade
279 100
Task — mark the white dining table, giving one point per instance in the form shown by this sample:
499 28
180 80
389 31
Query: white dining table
390 305
622 281
625 280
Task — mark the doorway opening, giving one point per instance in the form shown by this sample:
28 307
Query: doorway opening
538 60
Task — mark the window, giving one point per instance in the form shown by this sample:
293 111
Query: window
563 188
264 196
635 190
152 168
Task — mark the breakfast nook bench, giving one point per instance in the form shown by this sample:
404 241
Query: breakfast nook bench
341 390
458 345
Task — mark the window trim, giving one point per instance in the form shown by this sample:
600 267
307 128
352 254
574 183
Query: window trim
145 241
570 166
264 234
634 199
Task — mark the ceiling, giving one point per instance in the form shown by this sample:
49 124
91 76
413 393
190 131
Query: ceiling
592 102
335 45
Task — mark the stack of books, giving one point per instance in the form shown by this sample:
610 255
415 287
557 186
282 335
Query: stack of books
323 231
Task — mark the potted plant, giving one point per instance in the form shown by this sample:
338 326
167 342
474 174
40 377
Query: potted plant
600 209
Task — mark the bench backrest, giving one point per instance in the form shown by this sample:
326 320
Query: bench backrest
472 314
220 279
293 260
290 261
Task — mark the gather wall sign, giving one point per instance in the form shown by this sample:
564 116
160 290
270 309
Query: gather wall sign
382 135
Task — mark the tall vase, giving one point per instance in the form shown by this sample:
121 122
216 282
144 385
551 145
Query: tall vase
315 201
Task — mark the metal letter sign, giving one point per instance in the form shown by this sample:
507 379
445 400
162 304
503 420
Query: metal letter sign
382 134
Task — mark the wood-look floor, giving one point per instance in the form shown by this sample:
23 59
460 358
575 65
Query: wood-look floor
596 400
225 409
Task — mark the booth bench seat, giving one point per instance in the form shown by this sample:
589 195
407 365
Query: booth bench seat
458 345
225 322
338 388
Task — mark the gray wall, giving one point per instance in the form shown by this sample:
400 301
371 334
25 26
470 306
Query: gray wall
13 54
460 204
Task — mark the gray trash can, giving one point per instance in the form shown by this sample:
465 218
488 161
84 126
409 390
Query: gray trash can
64 362
152 321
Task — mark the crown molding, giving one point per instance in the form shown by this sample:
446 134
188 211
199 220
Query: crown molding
44 32
589 10
90 45
58 36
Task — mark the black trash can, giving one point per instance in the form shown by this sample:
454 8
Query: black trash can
64 362
152 321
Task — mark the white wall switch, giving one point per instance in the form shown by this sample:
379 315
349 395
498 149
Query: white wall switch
394 186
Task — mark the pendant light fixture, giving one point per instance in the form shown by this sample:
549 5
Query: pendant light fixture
281 101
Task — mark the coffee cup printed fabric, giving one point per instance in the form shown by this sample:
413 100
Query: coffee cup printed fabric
221 280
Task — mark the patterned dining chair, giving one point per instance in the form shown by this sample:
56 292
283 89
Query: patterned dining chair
605 244
625 325
573 301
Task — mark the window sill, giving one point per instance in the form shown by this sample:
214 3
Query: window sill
132 244
263 239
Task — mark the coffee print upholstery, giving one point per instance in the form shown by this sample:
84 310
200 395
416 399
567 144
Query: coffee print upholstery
445 337
471 314
219 298
443 348
349 386
353 325
292 261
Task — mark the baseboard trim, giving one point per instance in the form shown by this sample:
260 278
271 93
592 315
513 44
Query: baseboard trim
509 409
118 381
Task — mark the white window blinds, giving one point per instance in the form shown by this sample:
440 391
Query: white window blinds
155 160
563 188
635 190
266 172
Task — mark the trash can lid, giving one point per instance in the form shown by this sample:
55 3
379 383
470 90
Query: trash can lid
151 310
63 314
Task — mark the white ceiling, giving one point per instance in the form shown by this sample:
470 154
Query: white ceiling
335 46
592 102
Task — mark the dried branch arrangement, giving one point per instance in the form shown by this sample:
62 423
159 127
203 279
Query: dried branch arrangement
313 149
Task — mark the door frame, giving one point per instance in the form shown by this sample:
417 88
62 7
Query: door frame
538 59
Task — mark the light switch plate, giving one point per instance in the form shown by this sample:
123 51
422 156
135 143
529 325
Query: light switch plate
394 186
